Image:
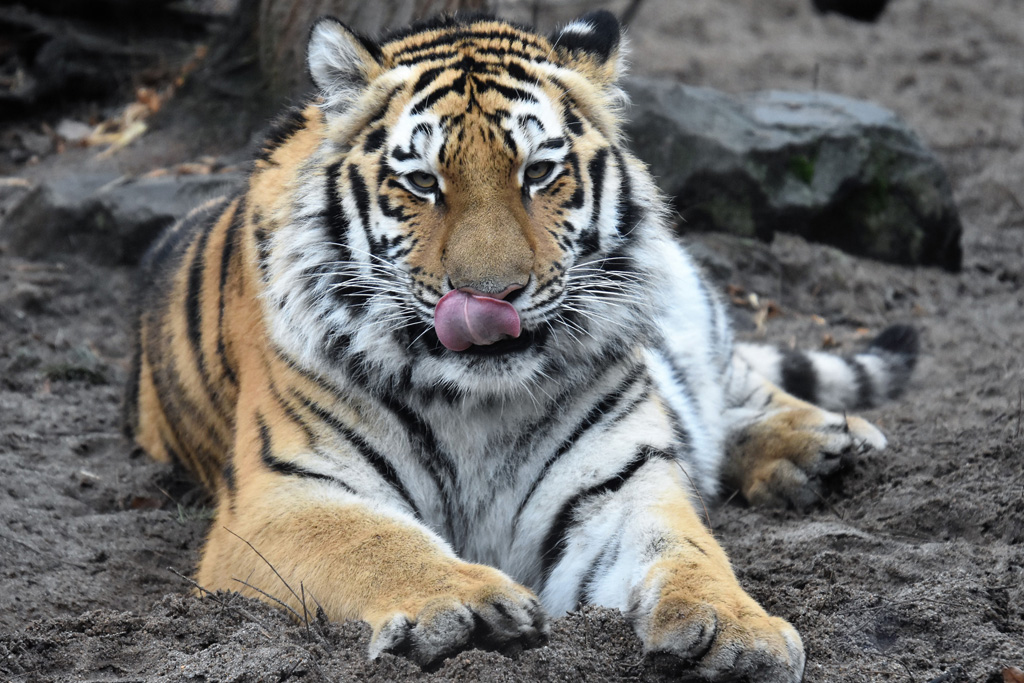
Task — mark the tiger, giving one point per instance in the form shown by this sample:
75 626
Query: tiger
444 364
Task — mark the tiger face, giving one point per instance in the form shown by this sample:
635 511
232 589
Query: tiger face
487 238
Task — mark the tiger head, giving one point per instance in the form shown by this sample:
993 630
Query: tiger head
469 218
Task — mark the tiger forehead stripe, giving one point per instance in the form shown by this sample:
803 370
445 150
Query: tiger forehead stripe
491 39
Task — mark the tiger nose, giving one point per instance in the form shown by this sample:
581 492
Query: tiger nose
493 290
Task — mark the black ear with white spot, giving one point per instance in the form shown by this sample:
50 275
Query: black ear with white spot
596 33
341 62
592 44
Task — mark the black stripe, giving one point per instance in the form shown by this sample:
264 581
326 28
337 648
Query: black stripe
452 38
606 405
173 240
619 270
573 122
262 246
798 377
862 380
518 73
379 463
321 382
383 109
578 196
362 196
194 310
284 466
230 238
184 418
290 412
337 221
509 93
283 128
510 52
440 467
427 57
375 140
629 214
590 238
510 142
428 77
229 477
586 585
458 85
557 539
337 228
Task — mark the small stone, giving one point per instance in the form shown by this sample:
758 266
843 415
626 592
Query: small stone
36 144
72 131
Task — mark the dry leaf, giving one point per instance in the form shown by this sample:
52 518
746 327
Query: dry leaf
149 98
818 320
760 318
829 342
128 136
1012 674
193 169
145 503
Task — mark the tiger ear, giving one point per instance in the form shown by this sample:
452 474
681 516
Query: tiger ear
341 62
592 45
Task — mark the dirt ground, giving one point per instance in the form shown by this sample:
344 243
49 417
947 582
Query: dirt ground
912 570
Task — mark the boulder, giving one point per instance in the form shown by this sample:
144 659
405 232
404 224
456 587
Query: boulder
105 218
829 168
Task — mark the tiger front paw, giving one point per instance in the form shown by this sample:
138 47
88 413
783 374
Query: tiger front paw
783 459
480 608
729 640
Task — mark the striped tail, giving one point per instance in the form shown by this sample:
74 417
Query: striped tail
833 382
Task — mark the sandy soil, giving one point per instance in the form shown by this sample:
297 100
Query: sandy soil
911 570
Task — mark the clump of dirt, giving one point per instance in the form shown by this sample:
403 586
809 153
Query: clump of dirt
911 569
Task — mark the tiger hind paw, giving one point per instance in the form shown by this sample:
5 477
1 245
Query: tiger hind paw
784 459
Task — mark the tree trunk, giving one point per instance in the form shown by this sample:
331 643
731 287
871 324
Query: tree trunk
284 28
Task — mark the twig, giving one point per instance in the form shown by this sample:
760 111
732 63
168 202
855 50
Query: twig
272 567
268 596
1012 195
828 505
44 553
1020 411
220 602
305 614
707 517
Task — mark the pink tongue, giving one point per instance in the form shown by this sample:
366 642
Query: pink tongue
462 319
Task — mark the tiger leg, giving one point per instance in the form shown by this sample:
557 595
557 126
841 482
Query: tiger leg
780 448
665 570
362 561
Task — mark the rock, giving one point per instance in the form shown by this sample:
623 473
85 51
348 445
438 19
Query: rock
831 169
108 220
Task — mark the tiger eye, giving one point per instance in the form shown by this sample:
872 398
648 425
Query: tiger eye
539 170
422 180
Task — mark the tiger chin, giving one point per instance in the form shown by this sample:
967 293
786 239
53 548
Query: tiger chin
443 364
